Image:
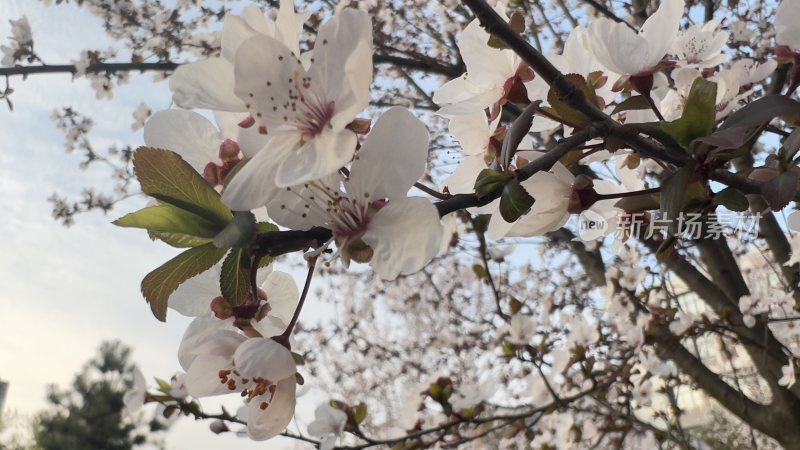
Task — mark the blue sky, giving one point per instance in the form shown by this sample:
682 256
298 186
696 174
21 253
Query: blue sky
64 290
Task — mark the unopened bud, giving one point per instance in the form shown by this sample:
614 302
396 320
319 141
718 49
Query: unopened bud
360 126
229 149
218 427
221 308
211 174
525 73
583 195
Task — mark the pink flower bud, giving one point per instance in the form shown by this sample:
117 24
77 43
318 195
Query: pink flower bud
218 427
211 174
229 149
221 308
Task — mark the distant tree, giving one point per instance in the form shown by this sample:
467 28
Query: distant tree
91 414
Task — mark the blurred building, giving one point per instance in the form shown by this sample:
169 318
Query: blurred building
3 393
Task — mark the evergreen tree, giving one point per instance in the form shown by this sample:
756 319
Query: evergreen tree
90 415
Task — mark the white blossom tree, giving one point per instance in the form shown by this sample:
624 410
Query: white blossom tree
571 215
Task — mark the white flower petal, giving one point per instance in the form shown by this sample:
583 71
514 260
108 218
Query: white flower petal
202 378
392 158
193 297
322 156
289 25
264 358
206 84
343 63
270 422
404 235
283 295
237 29
253 185
471 131
462 181
186 133
486 66
195 335
660 29
302 207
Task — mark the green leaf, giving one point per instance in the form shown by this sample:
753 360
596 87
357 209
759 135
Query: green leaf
726 139
762 111
479 271
496 42
732 199
515 201
164 386
266 227
159 284
519 129
360 413
490 180
234 279
564 110
179 240
791 145
781 190
166 218
639 203
167 177
673 195
633 103
699 114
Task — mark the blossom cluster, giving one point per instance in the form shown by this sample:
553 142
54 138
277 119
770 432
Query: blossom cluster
293 138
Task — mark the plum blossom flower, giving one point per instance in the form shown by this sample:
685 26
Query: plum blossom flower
305 111
473 393
21 44
741 32
522 329
701 46
683 321
219 359
748 305
372 219
575 59
626 52
210 151
581 332
787 18
479 141
140 116
328 424
133 399
209 83
271 395
492 75
200 296
557 194
178 388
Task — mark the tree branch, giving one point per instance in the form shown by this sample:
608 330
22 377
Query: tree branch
430 66
93 68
